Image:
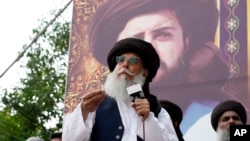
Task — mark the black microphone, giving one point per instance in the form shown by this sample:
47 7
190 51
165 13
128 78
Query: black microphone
135 91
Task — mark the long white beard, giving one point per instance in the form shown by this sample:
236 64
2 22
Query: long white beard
117 87
223 135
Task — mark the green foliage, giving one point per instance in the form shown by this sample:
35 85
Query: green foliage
39 98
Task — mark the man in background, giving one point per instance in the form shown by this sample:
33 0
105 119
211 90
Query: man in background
56 136
225 114
175 113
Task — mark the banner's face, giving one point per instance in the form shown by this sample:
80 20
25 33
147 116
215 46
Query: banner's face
202 46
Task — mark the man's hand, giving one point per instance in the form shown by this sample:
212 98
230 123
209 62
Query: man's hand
91 101
141 107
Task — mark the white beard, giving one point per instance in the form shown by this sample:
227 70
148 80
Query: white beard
117 87
223 135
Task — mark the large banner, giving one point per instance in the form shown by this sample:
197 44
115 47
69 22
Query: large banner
213 67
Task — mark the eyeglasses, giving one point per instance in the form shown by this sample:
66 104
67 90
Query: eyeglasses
131 60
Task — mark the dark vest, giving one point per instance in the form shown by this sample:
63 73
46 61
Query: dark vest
108 124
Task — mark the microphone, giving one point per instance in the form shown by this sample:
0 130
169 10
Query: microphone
135 91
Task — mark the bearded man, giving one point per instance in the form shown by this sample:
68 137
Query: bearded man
225 114
110 115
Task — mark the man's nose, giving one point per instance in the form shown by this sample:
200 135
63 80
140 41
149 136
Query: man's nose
232 121
125 64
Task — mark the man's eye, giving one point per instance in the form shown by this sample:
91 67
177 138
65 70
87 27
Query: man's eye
236 118
225 119
133 60
163 35
139 36
120 59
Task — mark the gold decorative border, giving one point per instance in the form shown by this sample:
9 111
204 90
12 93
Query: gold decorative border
84 72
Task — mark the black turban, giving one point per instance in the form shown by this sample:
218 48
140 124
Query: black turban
174 110
143 49
229 105
175 113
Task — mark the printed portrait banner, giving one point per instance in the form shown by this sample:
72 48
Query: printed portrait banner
194 87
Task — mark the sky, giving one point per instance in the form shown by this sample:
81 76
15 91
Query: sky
18 18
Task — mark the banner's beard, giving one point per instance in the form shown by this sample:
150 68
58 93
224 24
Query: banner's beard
117 87
223 135
172 76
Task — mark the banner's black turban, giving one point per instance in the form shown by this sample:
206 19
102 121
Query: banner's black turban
229 105
112 16
143 49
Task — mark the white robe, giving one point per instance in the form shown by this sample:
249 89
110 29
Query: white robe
202 130
156 129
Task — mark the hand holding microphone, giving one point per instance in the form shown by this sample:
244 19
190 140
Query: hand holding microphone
139 103
141 107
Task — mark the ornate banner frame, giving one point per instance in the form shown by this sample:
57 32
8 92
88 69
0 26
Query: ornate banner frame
85 74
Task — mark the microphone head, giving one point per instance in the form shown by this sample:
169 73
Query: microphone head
135 91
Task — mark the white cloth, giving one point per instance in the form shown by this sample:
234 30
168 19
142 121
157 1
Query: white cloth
202 130
156 129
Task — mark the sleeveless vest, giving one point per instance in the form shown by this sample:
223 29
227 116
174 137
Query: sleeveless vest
108 124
